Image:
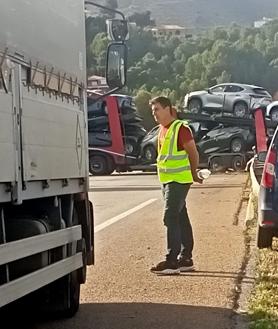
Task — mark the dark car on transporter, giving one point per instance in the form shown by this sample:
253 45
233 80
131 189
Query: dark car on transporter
210 138
225 140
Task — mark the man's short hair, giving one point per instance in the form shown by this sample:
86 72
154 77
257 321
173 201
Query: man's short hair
162 100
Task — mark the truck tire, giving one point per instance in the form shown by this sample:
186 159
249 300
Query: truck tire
238 163
264 237
73 287
215 164
100 165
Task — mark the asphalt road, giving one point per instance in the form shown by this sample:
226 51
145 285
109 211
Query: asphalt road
121 292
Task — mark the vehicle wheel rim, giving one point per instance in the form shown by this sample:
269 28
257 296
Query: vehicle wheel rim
236 146
148 155
216 166
240 110
97 167
129 148
195 107
274 115
238 163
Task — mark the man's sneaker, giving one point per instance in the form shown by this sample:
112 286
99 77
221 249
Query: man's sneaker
166 268
186 265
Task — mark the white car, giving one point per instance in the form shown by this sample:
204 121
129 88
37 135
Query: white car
272 111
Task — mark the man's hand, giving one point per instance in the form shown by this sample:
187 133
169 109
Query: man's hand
197 179
193 155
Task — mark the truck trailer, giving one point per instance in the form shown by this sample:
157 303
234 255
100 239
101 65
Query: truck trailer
46 218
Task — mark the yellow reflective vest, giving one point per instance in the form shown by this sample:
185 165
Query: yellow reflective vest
172 165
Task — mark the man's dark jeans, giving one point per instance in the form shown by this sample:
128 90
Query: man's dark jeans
179 230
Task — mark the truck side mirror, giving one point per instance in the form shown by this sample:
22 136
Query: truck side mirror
116 65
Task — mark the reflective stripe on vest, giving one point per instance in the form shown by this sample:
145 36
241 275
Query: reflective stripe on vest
172 164
174 170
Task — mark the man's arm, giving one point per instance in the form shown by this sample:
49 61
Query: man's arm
193 155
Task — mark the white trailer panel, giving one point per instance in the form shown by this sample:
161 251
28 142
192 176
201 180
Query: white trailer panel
7 141
50 32
53 134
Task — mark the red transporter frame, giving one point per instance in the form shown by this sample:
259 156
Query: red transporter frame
112 157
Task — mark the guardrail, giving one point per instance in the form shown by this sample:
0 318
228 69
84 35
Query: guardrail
254 193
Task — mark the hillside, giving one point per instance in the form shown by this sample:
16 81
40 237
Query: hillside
203 13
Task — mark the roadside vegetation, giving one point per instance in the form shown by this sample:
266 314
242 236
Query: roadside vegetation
264 301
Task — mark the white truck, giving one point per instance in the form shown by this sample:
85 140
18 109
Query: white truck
46 218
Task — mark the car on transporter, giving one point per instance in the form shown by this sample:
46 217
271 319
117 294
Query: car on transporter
268 196
233 98
272 111
211 138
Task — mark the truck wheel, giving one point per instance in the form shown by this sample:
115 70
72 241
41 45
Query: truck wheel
238 162
195 106
101 165
62 297
215 164
236 145
264 237
240 109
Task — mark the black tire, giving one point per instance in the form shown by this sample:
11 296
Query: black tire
238 163
100 165
237 145
149 154
62 297
264 237
130 148
195 105
274 114
216 164
73 287
240 109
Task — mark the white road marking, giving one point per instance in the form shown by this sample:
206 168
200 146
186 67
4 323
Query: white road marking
115 219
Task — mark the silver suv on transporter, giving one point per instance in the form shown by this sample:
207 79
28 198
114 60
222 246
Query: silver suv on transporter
234 98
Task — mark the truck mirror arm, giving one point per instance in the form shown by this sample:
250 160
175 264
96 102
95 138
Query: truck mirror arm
112 91
106 8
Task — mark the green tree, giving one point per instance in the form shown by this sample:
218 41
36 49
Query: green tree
225 77
98 52
142 100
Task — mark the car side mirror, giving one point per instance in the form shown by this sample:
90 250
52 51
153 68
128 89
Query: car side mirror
209 91
116 65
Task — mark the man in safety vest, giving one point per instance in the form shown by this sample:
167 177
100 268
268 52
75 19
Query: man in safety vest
177 164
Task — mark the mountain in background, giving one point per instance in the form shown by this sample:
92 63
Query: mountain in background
203 13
